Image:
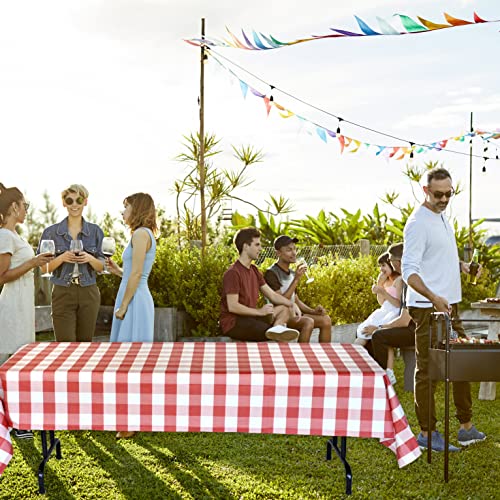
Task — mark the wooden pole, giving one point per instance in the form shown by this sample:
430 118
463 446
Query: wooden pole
470 191
201 161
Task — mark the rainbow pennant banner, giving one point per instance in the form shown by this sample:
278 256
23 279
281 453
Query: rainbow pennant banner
252 40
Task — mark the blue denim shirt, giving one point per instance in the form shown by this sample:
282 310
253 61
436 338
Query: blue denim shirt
91 235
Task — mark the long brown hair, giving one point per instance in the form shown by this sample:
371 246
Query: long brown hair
7 197
143 212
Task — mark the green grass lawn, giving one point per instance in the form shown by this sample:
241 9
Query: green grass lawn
245 466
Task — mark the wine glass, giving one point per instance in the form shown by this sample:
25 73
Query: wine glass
108 249
300 262
49 247
76 246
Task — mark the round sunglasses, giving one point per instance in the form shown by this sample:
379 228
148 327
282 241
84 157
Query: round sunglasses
70 201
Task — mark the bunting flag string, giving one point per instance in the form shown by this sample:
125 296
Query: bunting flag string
408 26
354 145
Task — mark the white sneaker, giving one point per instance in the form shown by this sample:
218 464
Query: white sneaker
392 377
282 333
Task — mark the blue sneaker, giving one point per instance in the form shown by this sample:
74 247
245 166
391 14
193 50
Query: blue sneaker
467 437
437 442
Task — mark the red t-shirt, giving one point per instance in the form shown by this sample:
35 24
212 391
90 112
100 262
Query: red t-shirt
246 282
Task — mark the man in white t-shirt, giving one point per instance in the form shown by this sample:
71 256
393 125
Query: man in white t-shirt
431 268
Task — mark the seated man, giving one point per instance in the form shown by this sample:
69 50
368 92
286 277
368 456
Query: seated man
284 280
399 332
240 318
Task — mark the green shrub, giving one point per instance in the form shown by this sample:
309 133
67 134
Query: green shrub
179 279
342 287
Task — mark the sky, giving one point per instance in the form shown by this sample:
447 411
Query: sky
101 92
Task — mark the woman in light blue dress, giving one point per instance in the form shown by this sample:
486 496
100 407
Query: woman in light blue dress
134 308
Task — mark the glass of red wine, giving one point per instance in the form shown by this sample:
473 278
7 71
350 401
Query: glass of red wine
76 246
108 248
48 247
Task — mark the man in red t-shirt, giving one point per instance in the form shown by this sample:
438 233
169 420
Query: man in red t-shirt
240 318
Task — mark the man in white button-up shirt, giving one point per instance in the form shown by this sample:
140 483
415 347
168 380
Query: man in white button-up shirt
431 268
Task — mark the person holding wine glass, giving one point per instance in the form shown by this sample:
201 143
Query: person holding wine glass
17 261
134 308
284 280
75 295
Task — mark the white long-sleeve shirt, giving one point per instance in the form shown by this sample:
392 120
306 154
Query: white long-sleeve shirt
430 250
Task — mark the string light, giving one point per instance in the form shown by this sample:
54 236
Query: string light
312 106
338 126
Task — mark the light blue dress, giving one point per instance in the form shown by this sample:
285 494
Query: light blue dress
138 323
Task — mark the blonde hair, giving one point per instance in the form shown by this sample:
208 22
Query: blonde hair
77 189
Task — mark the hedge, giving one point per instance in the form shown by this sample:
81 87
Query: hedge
343 286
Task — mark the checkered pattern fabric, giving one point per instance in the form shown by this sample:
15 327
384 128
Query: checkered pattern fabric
311 389
5 442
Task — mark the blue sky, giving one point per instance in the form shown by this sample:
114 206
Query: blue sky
101 92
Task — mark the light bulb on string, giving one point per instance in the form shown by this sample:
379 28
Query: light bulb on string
485 156
411 161
338 126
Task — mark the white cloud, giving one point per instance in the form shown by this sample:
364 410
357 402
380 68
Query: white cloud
450 115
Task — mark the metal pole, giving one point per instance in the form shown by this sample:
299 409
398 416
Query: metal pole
201 162
468 258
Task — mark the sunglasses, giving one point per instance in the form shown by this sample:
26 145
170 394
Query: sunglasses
439 194
26 205
69 201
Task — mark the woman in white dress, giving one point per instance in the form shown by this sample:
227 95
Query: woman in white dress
17 261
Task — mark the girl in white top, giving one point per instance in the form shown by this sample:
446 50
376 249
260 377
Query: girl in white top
388 289
17 260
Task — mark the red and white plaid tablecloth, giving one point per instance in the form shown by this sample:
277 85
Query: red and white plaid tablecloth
312 389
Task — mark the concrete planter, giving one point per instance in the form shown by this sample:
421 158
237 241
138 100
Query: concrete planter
43 318
169 323
166 328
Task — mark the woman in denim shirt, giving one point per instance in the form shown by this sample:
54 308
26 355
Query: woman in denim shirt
75 296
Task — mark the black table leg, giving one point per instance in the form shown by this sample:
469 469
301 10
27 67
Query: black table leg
46 452
341 453
446 427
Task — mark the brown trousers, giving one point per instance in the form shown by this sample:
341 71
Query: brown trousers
461 390
74 312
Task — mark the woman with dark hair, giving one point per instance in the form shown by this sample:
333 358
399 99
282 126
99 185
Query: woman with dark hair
17 261
134 308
